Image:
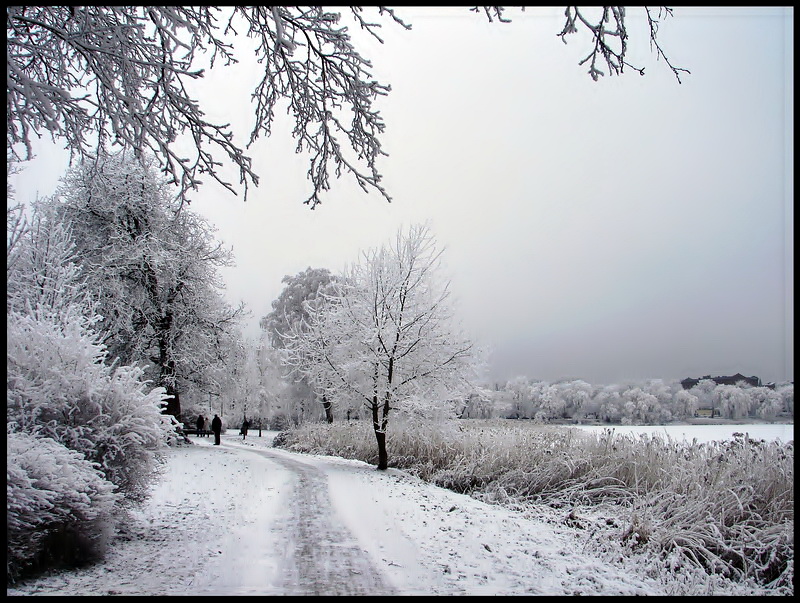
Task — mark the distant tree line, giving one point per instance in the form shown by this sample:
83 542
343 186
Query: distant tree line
651 402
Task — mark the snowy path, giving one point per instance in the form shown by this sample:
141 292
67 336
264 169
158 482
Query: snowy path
238 519
321 556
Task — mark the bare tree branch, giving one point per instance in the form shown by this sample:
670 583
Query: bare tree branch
120 74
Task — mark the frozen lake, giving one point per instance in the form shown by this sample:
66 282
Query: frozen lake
705 433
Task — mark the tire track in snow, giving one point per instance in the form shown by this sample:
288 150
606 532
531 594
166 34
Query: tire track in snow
321 557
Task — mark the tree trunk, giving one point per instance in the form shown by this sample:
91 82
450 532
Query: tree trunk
383 458
167 380
174 403
380 436
328 409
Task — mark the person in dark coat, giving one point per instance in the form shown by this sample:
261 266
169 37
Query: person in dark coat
216 427
201 423
245 427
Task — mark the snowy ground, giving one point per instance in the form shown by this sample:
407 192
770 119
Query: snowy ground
705 433
244 519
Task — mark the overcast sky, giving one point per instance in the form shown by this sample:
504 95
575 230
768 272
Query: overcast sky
624 229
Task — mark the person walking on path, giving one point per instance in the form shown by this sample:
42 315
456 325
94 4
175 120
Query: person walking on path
201 423
245 427
216 427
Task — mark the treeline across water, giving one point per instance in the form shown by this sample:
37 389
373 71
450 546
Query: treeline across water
651 402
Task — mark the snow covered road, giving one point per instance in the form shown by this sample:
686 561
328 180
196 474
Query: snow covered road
246 519
321 557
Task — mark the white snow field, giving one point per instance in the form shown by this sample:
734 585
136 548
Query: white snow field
705 433
243 518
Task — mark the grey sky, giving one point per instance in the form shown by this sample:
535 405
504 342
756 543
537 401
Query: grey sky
625 229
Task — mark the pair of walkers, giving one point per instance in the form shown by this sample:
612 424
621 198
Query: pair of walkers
216 427
201 426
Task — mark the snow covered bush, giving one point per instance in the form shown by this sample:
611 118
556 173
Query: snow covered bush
58 387
58 505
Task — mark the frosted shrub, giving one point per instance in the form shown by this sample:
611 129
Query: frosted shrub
58 505
59 387
729 506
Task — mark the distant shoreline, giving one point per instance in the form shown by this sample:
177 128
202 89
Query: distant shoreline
698 421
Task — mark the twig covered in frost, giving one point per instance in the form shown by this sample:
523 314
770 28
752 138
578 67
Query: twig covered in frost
120 73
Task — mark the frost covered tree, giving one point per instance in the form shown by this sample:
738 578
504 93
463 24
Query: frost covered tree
521 393
77 428
786 392
732 401
387 336
265 393
575 396
769 405
82 432
640 407
610 403
252 387
273 399
58 385
152 270
100 75
552 404
684 404
289 312
546 401
42 275
704 391
289 307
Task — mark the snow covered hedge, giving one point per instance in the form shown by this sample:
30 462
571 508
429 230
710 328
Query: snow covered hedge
58 387
58 505
83 434
725 508
78 430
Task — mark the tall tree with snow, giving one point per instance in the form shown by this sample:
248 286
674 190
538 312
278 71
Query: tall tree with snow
289 308
387 335
289 311
152 269
78 428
